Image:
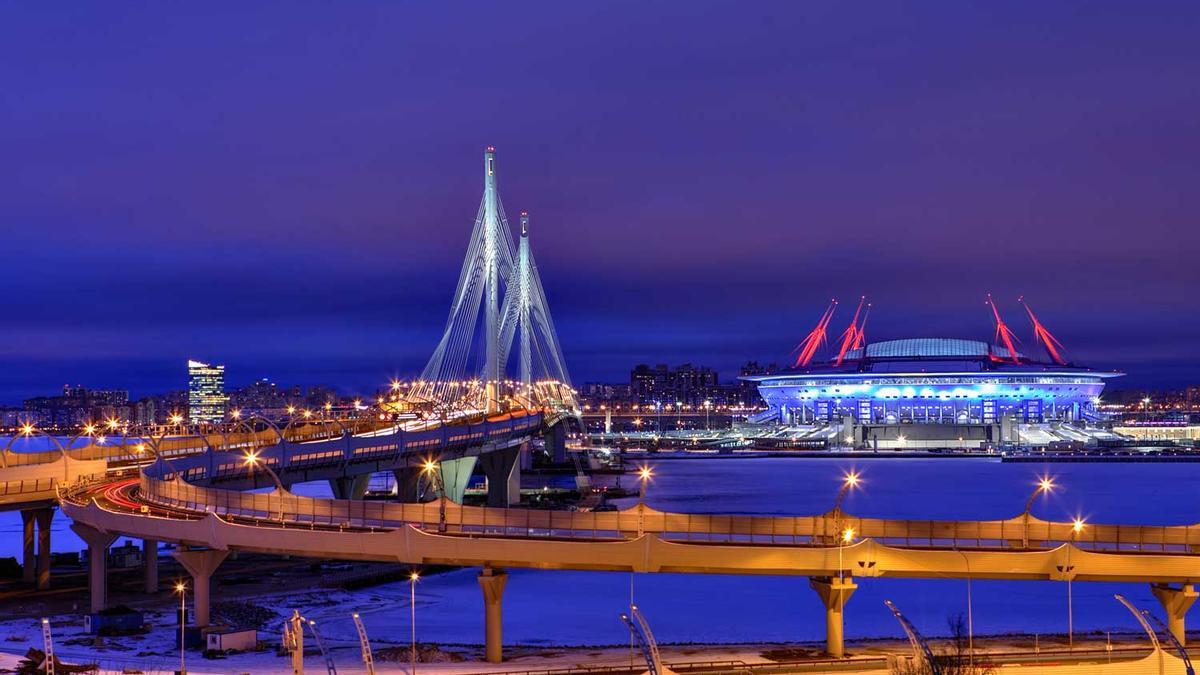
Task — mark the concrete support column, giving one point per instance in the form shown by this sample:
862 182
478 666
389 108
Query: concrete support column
834 592
28 571
98 543
503 476
349 487
456 473
492 582
150 564
408 484
1176 602
201 565
44 516
556 443
526 462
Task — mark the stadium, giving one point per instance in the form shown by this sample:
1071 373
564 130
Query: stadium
934 392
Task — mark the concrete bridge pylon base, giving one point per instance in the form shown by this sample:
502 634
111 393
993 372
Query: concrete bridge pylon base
349 487
834 592
503 471
98 543
1176 602
201 565
492 582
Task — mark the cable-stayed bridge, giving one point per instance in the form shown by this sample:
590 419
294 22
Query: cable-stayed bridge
499 377
498 314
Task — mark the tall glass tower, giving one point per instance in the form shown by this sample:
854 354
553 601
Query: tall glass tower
206 392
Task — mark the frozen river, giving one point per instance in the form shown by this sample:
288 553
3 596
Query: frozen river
548 607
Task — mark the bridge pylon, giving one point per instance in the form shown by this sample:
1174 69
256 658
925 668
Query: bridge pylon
499 300
834 592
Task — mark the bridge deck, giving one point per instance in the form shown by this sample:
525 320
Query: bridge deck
638 539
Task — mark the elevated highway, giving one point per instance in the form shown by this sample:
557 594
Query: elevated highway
209 522
343 452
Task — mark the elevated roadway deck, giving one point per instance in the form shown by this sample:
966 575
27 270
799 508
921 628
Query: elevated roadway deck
640 539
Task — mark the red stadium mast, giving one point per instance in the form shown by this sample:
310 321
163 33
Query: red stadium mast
1044 337
1003 334
860 338
850 336
812 342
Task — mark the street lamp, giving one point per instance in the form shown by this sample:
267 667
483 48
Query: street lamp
707 409
181 589
645 473
847 538
849 482
252 460
1076 528
1045 484
412 603
433 470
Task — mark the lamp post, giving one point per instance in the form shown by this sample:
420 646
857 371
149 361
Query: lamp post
849 481
846 538
1076 528
1045 484
970 611
707 410
434 471
252 460
181 589
412 602
645 473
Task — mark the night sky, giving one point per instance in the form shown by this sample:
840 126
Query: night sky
288 189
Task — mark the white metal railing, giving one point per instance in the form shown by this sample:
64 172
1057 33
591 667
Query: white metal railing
823 529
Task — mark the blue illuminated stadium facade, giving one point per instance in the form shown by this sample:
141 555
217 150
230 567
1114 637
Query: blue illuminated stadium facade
933 381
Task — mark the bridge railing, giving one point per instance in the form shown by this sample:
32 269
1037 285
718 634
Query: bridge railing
822 530
125 448
229 464
24 487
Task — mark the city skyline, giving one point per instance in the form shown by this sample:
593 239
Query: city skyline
690 220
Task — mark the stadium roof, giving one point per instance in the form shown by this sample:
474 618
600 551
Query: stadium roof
932 355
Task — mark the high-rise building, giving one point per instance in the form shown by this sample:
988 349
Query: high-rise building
683 384
206 392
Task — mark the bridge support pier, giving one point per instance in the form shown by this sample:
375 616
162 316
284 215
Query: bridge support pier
492 582
44 516
456 473
35 563
150 564
349 487
503 476
834 592
28 569
1176 602
201 565
408 484
526 461
98 543
556 443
